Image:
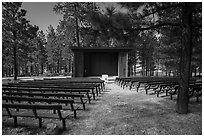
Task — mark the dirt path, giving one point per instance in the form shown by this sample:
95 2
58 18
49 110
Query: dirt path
125 112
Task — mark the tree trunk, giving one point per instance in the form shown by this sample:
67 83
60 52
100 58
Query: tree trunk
42 68
15 62
9 72
4 72
68 67
65 68
37 69
145 70
182 99
26 71
194 68
31 69
12 71
200 73
77 27
15 65
169 73
58 66
135 70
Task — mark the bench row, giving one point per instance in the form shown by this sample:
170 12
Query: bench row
38 99
195 89
170 85
138 81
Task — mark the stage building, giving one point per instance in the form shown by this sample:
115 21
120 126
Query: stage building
96 61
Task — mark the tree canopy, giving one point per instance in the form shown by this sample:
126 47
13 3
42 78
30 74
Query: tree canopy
17 35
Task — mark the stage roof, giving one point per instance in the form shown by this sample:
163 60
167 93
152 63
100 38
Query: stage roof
101 49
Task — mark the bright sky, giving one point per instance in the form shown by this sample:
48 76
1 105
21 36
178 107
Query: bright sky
42 14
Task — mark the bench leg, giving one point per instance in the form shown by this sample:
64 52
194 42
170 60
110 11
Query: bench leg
54 111
197 98
96 91
93 95
99 90
40 122
130 86
167 92
64 124
15 121
89 98
102 87
83 106
74 113
157 94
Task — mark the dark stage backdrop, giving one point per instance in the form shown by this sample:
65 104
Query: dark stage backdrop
98 63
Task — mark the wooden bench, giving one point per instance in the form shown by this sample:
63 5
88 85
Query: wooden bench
53 88
197 92
138 81
100 83
34 112
50 95
152 86
121 81
116 81
165 87
125 82
194 89
93 87
149 80
34 100
48 90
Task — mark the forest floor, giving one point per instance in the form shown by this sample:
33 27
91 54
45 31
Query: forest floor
120 111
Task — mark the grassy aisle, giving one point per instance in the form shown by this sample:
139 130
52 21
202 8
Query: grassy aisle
125 112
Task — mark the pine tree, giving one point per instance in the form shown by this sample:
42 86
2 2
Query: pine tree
19 29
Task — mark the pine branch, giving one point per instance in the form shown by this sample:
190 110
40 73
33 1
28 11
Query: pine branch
158 10
160 25
154 26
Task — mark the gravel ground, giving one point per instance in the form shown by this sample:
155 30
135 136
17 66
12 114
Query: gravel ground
120 111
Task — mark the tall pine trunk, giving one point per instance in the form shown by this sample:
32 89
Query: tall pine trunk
182 99
77 27
15 65
15 62
42 68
